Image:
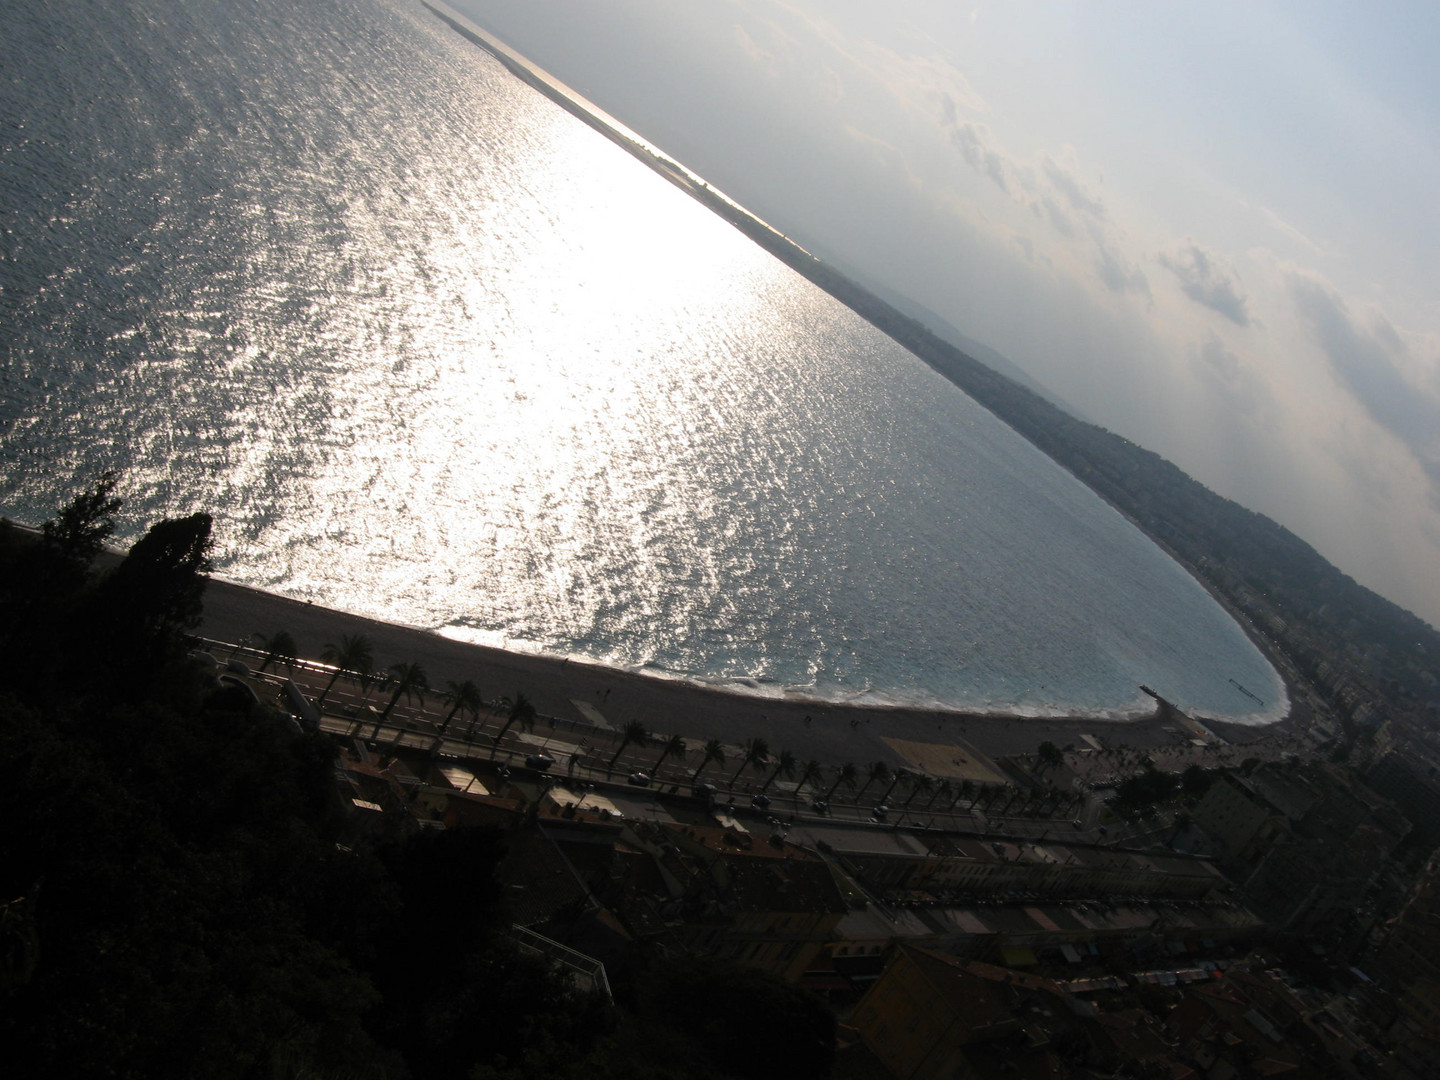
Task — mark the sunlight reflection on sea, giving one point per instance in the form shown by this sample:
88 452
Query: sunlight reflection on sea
434 351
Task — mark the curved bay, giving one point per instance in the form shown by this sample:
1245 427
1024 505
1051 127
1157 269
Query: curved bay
434 351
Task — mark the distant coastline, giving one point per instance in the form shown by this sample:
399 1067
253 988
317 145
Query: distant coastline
586 111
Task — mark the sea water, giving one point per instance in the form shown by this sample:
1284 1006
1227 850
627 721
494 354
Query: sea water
434 351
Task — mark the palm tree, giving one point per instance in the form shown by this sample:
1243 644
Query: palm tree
517 711
463 695
371 679
674 746
785 764
410 680
241 644
1050 755
714 751
877 770
279 647
967 790
811 773
942 791
1013 793
633 732
755 754
847 774
917 785
352 654
898 777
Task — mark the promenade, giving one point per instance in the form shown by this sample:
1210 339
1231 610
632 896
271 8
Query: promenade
585 703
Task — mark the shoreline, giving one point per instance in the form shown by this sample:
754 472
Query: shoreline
582 691
808 266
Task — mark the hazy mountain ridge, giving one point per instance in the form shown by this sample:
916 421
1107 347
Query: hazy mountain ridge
1320 615
948 332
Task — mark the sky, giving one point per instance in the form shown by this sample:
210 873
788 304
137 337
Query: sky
1211 228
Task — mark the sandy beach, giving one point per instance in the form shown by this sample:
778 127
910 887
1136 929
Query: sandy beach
940 742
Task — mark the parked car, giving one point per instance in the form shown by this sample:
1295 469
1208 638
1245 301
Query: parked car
539 762
638 779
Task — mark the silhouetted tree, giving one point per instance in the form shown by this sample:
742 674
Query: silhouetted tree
877 771
518 710
279 648
460 695
352 654
43 582
674 747
633 732
409 680
754 754
899 777
1195 780
77 533
1050 755
784 766
918 784
810 773
147 607
847 774
714 751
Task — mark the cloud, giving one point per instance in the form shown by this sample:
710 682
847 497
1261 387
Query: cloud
1066 198
1075 193
1370 361
1117 272
1219 359
1242 387
949 111
1059 220
975 146
1205 279
757 54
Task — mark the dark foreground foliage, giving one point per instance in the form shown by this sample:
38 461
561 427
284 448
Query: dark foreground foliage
176 902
